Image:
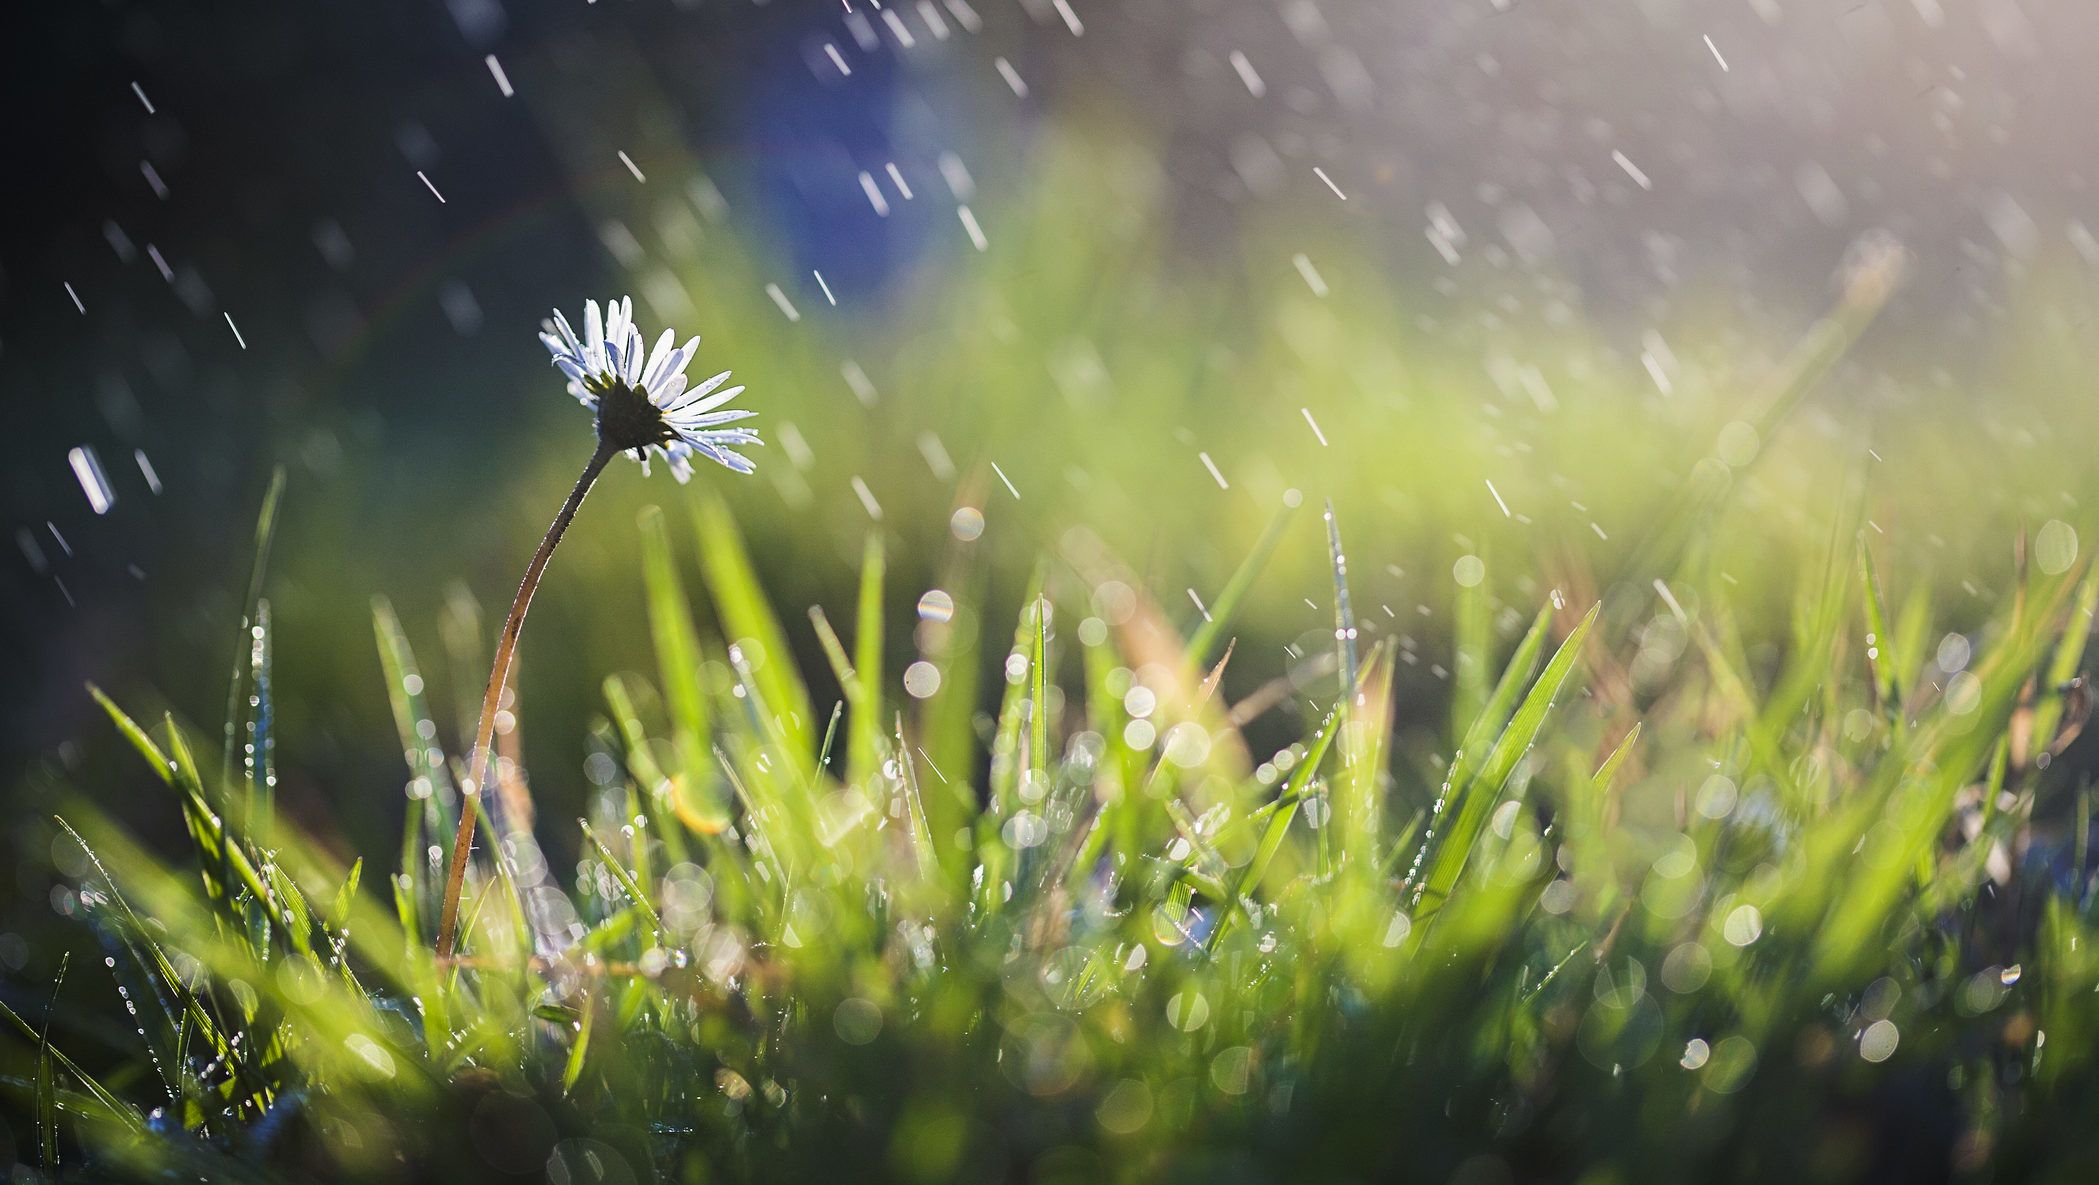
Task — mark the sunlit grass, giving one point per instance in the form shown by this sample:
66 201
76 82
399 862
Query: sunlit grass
1658 899
1625 784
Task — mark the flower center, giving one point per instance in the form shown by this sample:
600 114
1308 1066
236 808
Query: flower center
627 420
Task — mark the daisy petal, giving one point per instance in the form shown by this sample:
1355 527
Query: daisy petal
690 424
700 390
569 335
657 357
712 402
727 436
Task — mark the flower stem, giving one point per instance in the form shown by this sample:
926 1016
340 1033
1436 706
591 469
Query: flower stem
483 756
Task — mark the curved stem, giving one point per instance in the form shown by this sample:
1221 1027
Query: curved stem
483 762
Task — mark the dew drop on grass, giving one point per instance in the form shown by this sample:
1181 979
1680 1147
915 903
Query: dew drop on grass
1738 444
1953 653
921 679
1401 926
1024 830
2055 547
1696 1054
1743 926
936 605
1963 693
1188 1011
858 1021
1877 1043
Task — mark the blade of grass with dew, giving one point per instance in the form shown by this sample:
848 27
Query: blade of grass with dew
925 854
1293 793
829 637
145 948
579 1049
1359 809
642 767
112 1106
1607 773
265 534
1911 810
1878 665
1345 658
946 721
431 795
1119 770
993 855
224 865
258 745
1468 806
626 880
46 1081
1494 714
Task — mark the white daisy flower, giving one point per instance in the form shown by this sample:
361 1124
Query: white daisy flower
643 406
641 397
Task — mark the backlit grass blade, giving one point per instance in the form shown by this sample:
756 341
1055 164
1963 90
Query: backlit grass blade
1360 793
634 891
864 746
1465 811
946 722
1007 770
2067 660
1475 713
1914 795
747 613
698 798
1292 795
46 1080
1344 612
1494 712
112 1106
238 683
1877 635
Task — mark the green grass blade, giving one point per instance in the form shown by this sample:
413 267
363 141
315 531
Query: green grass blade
699 799
864 743
1468 808
1292 795
244 646
747 614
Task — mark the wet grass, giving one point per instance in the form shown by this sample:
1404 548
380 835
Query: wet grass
1663 899
1746 847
